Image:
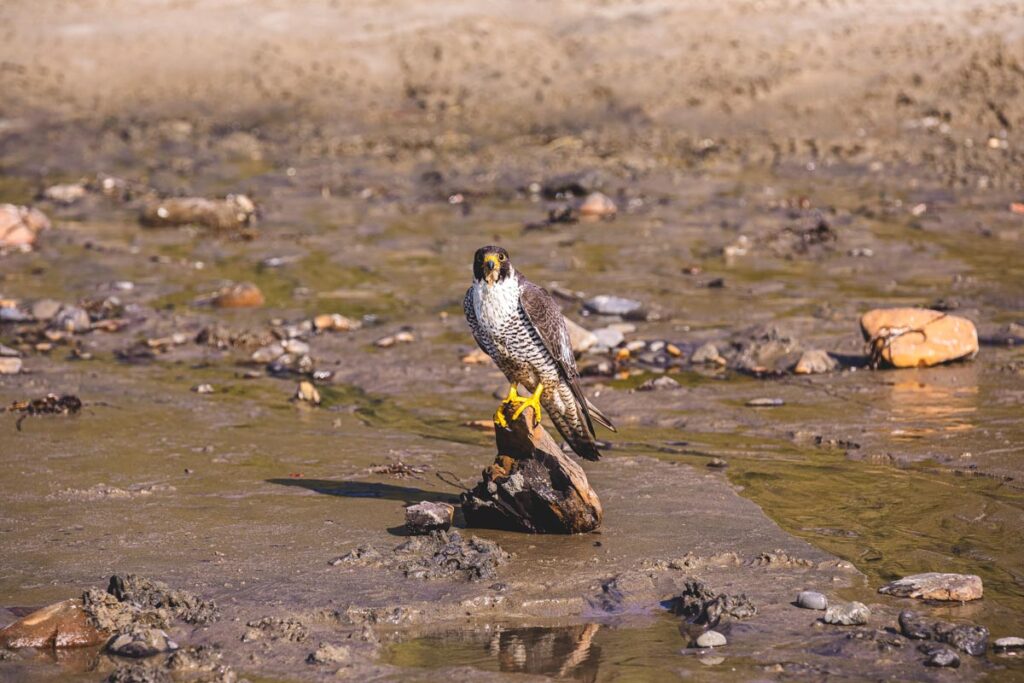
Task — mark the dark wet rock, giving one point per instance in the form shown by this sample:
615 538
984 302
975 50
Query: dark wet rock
428 516
326 653
71 319
850 614
765 403
915 627
936 586
707 353
811 600
815 362
141 642
1009 644
51 404
605 304
940 656
233 212
63 624
571 185
711 639
275 628
967 638
698 604
139 673
446 555
659 384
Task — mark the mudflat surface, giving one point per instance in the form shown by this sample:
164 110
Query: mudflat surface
779 169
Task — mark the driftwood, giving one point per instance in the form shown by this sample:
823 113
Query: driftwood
532 486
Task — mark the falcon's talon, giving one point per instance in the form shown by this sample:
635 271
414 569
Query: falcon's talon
514 399
532 402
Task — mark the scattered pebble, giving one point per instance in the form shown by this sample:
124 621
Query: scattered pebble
852 614
936 586
718 463
72 319
707 353
307 393
614 305
403 337
1009 644
661 383
241 295
20 225
815 362
917 337
10 366
203 388
711 639
427 516
232 212
65 194
597 205
765 403
335 322
609 337
811 600
45 309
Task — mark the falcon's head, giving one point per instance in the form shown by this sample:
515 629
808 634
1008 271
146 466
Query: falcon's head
491 265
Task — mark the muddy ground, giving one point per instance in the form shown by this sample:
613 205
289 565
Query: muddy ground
779 167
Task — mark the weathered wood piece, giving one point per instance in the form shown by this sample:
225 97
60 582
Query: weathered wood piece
532 485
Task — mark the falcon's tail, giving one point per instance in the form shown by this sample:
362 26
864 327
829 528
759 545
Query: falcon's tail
599 417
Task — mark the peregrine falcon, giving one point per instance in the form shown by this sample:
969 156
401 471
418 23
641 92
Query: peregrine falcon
521 327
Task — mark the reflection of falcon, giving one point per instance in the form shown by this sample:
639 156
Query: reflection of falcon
520 326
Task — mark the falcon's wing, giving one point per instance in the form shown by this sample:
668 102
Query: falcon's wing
483 342
546 318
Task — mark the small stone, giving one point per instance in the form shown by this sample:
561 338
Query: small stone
940 656
71 319
614 305
405 337
580 338
1009 644
10 366
19 225
329 654
917 337
597 205
241 295
45 309
268 353
233 212
765 403
335 322
661 383
852 614
707 353
967 638
65 194
811 600
428 516
203 388
673 350
711 639
295 346
914 627
936 586
718 463
815 362
144 642
608 337
307 393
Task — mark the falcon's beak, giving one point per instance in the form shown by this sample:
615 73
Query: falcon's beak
492 268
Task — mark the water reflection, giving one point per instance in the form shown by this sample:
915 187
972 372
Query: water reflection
562 652
925 402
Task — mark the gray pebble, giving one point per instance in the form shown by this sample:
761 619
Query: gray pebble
614 305
609 337
1009 644
711 639
811 600
942 656
706 353
852 614
765 402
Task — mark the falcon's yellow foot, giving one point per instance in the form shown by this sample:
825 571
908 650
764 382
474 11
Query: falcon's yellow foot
513 398
532 402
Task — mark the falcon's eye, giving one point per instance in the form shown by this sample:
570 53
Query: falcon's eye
501 257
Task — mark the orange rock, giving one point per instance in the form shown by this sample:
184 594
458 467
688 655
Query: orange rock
917 337
336 322
597 205
242 295
19 225
63 624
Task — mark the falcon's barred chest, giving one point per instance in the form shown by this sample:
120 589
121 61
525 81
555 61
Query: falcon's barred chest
507 335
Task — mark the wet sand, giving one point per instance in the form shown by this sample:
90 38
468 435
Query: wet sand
382 145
